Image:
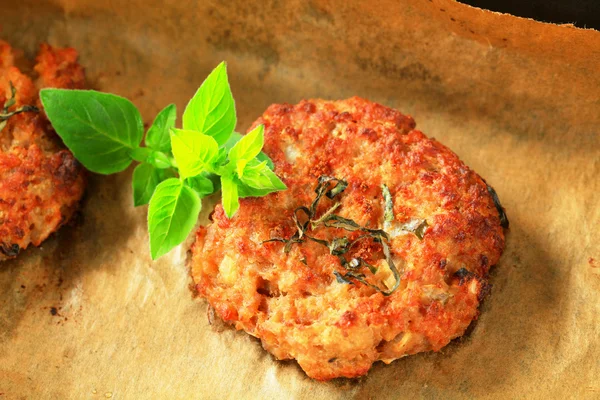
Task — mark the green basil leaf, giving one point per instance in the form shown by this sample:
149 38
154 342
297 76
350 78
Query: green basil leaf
263 157
388 215
140 154
145 179
249 145
247 191
157 136
99 128
193 151
259 176
229 195
159 160
235 137
214 178
240 166
201 184
212 109
172 214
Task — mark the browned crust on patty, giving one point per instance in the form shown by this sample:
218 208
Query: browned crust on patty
292 302
41 183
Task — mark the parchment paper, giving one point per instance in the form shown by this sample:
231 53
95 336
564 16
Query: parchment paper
89 316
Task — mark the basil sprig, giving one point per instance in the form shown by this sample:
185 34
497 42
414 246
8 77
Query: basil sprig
177 167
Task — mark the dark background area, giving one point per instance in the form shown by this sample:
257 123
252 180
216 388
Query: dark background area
581 13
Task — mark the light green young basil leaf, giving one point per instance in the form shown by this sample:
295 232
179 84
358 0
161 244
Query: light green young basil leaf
201 184
251 166
229 196
256 166
99 128
259 176
249 145
157 136
263 157
212 109
193 151
240 166
172 214
235 137
221 159
145 179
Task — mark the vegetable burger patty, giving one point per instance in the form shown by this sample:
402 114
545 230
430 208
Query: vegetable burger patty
313 274
41 183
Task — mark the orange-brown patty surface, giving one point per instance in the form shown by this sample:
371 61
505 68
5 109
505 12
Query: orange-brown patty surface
41 183
293 301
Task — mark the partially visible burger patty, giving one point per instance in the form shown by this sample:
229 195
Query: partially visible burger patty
41 183
293 301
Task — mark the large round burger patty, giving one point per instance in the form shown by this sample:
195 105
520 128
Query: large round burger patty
41 183
293 301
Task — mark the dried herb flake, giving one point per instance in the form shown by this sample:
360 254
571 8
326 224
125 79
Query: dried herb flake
6 114
388 215
305 218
